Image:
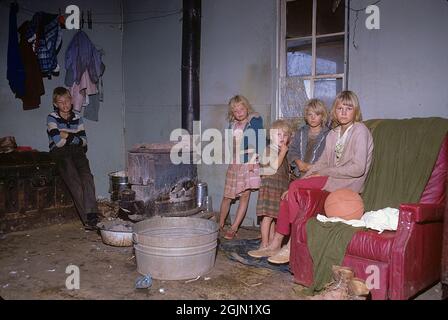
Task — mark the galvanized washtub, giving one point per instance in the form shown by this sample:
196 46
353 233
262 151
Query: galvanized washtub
175 248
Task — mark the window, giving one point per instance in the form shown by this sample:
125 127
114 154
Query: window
312 51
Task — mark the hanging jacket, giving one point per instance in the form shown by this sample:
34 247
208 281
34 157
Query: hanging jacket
15 70
80 92
81 55
46 34
34 85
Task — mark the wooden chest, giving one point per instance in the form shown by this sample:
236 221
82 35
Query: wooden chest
31 192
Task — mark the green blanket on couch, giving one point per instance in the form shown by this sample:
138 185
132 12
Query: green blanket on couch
404 155
327 243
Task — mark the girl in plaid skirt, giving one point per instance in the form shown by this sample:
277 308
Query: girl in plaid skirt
274 179
243 173
305 148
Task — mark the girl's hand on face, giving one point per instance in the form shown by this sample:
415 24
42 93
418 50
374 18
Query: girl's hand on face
283 148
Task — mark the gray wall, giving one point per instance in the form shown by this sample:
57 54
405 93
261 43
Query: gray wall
106 142
400 70
151 61
237 52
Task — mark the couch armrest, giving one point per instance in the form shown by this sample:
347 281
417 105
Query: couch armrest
421 213
416 251
310 202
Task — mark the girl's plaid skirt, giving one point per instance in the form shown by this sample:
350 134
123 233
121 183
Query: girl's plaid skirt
239 179
271 189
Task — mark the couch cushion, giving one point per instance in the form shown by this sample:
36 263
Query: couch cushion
372 245
435 188
366 244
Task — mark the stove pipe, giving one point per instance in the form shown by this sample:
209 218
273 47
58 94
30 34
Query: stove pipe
191 49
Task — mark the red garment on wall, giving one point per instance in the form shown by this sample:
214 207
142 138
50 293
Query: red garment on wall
34 85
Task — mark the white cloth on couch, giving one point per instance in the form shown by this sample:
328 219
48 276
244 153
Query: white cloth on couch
380 220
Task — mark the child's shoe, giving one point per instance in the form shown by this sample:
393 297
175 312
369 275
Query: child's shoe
261 253
282 256
91 223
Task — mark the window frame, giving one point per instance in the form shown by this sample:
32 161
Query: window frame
281 59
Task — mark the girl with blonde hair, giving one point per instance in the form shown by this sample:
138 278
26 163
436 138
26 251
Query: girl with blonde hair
243 174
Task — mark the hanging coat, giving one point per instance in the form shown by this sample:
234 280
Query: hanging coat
81 55
46 34
15 70
34 85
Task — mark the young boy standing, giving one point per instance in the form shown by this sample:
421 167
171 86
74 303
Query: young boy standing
68 145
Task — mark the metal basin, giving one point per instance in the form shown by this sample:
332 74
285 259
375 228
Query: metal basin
175 248
116 233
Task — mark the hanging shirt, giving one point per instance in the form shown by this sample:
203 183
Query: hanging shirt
45 33
81 55
80 92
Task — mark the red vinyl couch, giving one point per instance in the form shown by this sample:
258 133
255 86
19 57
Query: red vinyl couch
407 261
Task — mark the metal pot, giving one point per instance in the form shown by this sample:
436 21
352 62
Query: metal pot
118 181
201 193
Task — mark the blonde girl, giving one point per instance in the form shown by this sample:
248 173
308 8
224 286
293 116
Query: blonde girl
274 179
243 172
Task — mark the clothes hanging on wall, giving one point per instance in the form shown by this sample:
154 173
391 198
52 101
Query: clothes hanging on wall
34 57
92 111
84 69
34 85
15 68
45 33
81 54
80 92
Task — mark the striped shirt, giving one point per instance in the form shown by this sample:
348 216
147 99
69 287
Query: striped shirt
74 126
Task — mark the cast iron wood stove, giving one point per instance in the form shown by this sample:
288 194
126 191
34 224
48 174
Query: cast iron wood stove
167 189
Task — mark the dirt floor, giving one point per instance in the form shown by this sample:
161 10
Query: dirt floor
33 266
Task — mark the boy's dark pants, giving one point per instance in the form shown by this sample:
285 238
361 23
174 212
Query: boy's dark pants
73 166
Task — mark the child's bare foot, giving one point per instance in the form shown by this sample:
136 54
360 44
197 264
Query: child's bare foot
230 234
